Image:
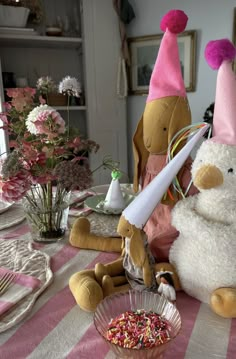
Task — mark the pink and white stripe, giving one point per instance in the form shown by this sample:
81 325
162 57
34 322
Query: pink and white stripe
21 286
58 328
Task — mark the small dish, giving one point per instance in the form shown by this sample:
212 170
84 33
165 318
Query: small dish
53 31
4 206
96 203
116 304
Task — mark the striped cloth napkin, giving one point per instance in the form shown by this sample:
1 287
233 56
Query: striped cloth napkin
76 210
21 286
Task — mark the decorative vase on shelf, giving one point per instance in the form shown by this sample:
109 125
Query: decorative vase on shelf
46 209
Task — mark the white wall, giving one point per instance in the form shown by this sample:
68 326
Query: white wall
212 20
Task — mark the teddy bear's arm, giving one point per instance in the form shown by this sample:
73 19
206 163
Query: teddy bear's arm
181 214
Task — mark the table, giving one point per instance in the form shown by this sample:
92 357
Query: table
58 328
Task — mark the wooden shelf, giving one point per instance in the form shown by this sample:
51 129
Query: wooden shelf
71 108
10 40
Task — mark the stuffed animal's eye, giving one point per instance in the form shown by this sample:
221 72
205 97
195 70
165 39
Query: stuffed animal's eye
230 170
164 129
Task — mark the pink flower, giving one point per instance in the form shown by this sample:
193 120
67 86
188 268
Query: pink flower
41 100
50 123
21 97
15 188
4 119
45 120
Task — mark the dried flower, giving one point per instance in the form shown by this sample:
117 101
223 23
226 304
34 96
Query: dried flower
70 174
45 85
70 86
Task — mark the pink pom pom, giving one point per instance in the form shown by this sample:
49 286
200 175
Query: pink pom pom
175 21
218 51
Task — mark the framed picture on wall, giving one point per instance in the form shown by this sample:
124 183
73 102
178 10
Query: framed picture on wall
143 53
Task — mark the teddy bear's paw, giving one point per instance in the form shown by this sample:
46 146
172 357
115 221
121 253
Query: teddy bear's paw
107 285
79 232
223 302
100 272
112 285
86 291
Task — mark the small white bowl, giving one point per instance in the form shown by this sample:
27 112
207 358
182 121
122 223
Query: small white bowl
13 16
53 31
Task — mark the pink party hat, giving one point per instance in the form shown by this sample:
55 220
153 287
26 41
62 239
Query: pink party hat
219 55
167 79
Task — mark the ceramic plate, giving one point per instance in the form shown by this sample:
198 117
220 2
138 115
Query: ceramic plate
13 216
96 203
125 188
4 206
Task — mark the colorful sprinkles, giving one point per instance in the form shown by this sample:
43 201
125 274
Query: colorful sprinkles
138 330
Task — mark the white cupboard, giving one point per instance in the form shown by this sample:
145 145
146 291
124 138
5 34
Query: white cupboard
89 51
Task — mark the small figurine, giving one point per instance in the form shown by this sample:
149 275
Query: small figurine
114 198
166 285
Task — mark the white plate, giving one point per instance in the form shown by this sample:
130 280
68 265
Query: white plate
125 188
96 203
4 206
13 216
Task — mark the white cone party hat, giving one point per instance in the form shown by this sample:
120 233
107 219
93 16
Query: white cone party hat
141 208
114 198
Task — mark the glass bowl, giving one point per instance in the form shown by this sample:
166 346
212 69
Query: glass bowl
116 304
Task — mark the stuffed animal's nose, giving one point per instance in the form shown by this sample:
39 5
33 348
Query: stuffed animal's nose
207 177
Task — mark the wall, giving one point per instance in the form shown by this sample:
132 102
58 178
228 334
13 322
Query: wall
211 19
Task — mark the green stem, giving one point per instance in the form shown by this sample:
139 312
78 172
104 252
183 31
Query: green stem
49 204
68 116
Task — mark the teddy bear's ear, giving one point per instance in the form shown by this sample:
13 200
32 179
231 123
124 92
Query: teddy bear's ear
140 154
137 250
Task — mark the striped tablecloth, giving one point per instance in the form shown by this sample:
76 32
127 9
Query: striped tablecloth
58 328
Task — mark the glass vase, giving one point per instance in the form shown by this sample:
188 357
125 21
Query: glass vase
46 209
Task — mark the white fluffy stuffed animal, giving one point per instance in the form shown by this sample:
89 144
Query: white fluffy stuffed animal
204 254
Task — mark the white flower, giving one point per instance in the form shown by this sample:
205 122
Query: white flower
33 116
46 84
70 86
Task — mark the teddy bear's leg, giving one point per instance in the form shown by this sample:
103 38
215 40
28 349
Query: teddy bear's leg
81 237
85 289
223 302
108 286
112 269
165 266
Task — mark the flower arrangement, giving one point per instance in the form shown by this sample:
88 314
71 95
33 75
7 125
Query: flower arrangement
46 161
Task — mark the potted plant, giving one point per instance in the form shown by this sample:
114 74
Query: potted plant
46 162
48 90
34 10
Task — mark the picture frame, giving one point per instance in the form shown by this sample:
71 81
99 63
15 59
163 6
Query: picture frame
143 53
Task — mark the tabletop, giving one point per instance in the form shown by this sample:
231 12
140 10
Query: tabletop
57 328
